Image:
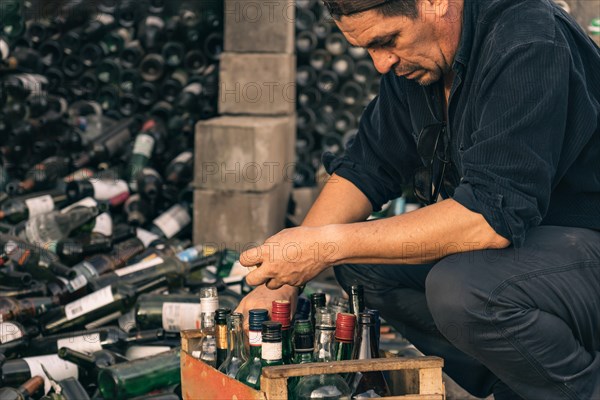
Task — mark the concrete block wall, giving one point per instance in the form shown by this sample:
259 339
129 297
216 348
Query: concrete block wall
244 158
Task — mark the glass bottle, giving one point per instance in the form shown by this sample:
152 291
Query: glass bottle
280 312
364 349
326 386
271 353
302 309
90 363
53 226
344 336
249 372
357 300
23 392
171 222
117 298
304 346
173 312
375 330
236 352
134 378
207 348
18 209
19 309
92 340
13 338
316 300
221 334
15 372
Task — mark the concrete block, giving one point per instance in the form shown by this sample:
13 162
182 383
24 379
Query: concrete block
259 26
239 220
257 84
244 153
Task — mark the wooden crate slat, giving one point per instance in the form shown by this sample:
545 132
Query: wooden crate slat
275 389
378 364
199 381
430 381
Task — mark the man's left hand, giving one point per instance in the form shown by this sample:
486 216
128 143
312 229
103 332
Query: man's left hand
293 257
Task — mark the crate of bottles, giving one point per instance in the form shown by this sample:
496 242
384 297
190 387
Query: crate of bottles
336 360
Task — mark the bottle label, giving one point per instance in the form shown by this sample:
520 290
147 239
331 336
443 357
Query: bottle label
222 337
89 303
84 344
4 50
209 305
271 351
183 158
194 88
107 189
57 367
180 316
146 237
87 202
135 352
39 205
155 21
142 265
104 225
9 332
255 338
74 284
173 220
144 145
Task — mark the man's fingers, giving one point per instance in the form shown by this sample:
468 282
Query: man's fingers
258 276
252 257
273 284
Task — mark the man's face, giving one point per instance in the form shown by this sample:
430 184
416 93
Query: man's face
410 47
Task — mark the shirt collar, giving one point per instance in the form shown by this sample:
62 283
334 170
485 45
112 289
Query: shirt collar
470 14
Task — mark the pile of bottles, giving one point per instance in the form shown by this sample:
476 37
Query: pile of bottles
118 86
318 332
335 82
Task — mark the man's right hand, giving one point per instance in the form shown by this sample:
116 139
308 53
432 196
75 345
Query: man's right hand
262 297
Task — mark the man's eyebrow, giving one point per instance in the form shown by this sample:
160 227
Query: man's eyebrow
378 41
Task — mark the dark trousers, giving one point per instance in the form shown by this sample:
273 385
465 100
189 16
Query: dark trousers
513 322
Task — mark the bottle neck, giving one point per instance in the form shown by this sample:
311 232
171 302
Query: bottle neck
363 348
255 339
303 357
83 360
324 344
236 342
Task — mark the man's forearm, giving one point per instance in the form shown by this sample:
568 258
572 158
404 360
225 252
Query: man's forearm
419 237
340 202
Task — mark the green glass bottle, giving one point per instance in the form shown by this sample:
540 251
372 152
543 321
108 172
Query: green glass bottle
134 378
344 336
250 371
236 352
221 334
117 298
304 346
173 312
326 386
271 353
90 363
280 312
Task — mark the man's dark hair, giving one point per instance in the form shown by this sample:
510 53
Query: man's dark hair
386 8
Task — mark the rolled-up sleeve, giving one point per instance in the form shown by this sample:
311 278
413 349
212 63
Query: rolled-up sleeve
381 158
510 165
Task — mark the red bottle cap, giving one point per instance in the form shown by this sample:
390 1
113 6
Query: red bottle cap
280 312
344 327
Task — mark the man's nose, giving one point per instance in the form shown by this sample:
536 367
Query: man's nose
383 60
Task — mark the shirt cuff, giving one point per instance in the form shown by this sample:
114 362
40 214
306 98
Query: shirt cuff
491 207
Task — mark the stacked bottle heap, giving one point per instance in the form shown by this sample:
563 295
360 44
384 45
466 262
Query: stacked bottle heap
335 82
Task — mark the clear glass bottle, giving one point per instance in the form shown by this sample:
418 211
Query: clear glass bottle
236 353
324 336
357 300
304 346
207 348
317 300
249 372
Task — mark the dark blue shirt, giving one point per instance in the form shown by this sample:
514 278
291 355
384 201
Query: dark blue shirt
523 122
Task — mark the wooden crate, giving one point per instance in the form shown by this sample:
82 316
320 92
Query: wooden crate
422 377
